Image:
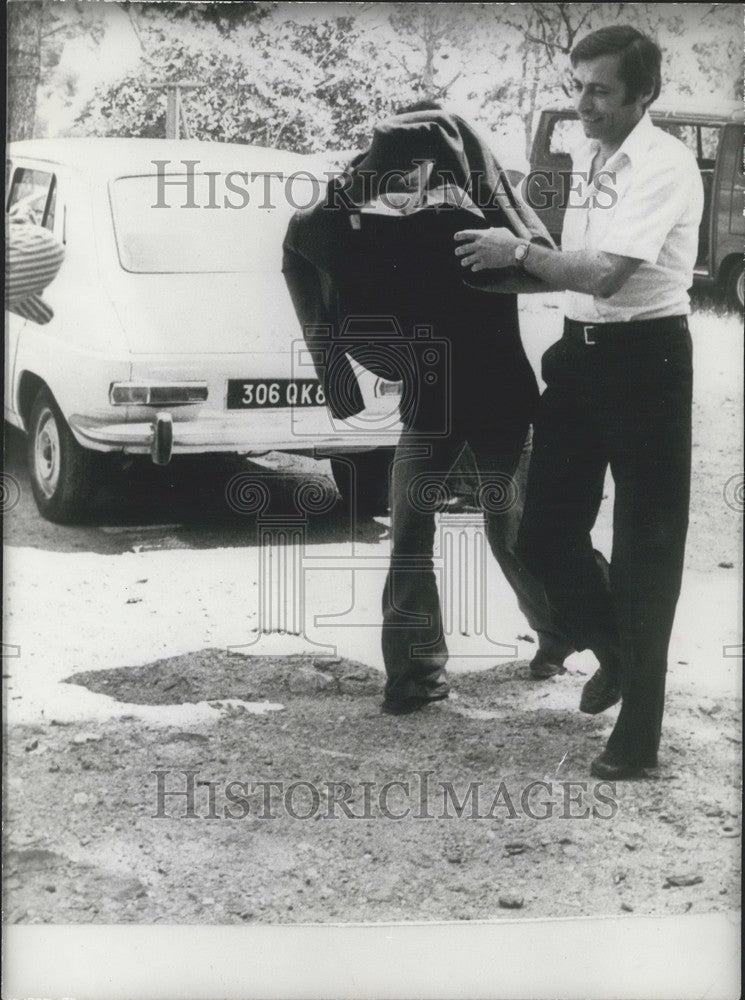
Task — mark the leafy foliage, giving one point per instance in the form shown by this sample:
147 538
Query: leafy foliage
313 77
302 86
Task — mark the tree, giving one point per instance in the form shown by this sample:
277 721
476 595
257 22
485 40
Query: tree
304 84
346 85
429 34
24 65
312 77
61 24
226 17
232 105
702 49
701 46
543 35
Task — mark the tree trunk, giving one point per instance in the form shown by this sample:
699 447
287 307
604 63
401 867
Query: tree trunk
24 60
529 116
428 74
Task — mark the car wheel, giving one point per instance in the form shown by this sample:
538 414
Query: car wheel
63 475
735 285
362 479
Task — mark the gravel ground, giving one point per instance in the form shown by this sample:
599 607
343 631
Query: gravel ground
99 852
84 843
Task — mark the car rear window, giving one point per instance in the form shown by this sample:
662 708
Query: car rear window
702 140
34 194
566 134
161 227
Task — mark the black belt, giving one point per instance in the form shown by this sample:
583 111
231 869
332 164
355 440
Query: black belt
593 333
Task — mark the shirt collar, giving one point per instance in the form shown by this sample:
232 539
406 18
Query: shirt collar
636 143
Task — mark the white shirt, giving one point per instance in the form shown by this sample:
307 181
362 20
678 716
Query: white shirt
649 208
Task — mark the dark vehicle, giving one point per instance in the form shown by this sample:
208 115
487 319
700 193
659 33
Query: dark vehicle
715 139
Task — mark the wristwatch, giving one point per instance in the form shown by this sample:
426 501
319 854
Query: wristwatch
521 253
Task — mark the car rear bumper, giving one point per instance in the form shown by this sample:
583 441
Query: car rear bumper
247 433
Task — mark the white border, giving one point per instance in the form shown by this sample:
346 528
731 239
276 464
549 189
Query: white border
631 957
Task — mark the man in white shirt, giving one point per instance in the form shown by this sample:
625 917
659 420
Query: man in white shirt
618 389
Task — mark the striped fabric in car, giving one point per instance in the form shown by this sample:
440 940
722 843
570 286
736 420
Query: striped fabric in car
32 259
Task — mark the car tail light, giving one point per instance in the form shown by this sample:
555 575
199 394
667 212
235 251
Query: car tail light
157 394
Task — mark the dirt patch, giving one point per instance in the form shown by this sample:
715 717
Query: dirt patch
108 849
214 674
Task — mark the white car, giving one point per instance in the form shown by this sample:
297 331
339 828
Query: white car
173 331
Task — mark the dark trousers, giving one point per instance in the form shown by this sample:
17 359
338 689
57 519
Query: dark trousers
623 401
414 645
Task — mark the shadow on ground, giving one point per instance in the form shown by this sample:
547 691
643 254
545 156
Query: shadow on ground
193 503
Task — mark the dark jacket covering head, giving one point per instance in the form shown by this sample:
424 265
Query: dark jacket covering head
459 155
357 253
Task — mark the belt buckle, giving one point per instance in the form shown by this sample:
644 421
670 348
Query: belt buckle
586 327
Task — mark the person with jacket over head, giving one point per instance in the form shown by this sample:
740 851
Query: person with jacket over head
619 390
380 245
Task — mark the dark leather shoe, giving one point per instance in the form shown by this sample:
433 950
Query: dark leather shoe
405 706
543 667
612 769
600 692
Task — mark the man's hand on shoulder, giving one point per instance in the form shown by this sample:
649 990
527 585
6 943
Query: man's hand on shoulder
593 273
481 249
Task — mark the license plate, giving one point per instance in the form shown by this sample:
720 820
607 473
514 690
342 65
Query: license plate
280 393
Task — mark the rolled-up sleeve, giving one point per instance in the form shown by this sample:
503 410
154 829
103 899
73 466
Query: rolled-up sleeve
662 194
